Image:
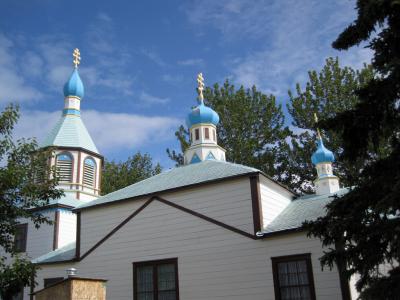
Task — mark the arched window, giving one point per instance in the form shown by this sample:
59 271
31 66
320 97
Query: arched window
64 167
89 171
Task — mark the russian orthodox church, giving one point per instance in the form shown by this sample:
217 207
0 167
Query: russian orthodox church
210 229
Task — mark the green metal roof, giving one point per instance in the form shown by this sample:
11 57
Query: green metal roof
206 171
70 131
65 253
305 208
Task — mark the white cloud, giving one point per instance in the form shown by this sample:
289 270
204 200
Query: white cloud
154 57
191 62
291 37
109 131
13 85
172 79
148 99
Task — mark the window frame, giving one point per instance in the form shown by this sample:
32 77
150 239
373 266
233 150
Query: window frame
307 258
207 133
154 264
24 227
69 154
94 172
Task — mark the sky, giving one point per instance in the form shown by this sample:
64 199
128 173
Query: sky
140 60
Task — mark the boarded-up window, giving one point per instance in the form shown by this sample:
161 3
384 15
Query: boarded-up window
21 234
157 280
64 167
89 172
207 133
293 277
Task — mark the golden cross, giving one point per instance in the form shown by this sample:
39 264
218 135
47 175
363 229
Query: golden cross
200 86
77 57
316 123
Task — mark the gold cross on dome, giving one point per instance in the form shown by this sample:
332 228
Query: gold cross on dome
316 123
77 57
200 86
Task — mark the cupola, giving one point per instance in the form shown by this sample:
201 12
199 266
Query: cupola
74 86
322 158
202 122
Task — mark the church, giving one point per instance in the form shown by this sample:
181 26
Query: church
209 229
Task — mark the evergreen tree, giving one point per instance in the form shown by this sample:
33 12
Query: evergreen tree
365 223
117 175
251 127
327 93
26 182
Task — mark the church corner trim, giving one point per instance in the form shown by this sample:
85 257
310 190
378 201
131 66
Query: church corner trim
256 202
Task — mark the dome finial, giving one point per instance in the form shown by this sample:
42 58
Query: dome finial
200 87
77 57
316 123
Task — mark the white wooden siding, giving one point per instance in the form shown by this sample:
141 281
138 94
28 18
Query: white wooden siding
274 199
213 262
67 228
228 202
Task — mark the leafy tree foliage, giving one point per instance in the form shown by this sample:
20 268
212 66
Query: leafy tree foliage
119 175
251 126
26 182
366 221
327 93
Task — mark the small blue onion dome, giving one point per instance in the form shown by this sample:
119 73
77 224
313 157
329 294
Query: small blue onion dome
322 154
74 85
202 114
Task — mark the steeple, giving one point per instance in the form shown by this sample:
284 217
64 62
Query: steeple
202 122
76 156
322 158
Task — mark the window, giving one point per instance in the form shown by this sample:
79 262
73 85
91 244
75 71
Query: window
293 278
197 134
156 280
207 133
89 172
214 136
64 167
50 281
21 231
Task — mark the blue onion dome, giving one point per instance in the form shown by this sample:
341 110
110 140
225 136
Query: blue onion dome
74 85
202 114
322 154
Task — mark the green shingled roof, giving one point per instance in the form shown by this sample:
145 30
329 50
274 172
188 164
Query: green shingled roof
65 253
70 131
308 207
209 170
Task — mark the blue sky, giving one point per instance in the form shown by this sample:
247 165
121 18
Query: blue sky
140 59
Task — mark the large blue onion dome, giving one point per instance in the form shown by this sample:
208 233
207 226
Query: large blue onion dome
202 114
74 85
322 154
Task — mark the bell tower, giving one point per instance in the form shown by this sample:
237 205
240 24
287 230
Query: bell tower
76 157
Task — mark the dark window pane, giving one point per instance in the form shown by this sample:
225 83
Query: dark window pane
197 134
207 133
145 280
167 295
20 237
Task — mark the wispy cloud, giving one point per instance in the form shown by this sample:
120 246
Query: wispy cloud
191 62
172 79
110 131
13 84
289 37
147 99
154 57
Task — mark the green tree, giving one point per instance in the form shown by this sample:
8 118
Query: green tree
251 127
117 175
365 223
26 182
327 93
